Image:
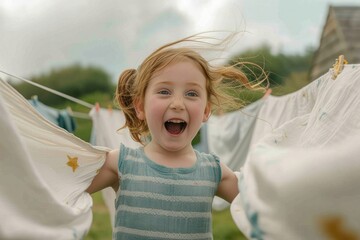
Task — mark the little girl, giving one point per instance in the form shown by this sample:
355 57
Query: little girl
165 189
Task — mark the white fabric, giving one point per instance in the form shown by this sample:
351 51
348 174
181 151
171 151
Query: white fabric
229 136
105 133
277 110
203 145
300 180
41 197
106 125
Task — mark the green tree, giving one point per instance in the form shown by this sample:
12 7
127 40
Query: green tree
277 66
74 80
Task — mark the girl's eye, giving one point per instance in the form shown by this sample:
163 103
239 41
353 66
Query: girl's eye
192 94
164 92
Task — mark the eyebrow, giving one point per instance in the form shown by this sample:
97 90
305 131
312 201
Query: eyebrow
172 83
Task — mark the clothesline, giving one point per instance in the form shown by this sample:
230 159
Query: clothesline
78 114
337 68
81 102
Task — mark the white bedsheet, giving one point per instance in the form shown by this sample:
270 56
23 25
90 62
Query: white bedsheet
301 178
44 171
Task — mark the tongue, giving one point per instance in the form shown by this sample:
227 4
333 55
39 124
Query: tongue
173 128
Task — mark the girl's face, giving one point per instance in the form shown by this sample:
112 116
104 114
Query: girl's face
175 105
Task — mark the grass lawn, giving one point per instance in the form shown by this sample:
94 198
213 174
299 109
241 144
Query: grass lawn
223 226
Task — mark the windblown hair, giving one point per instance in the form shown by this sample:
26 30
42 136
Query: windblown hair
221 82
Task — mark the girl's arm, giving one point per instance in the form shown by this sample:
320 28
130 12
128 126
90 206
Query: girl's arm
228 186
107 176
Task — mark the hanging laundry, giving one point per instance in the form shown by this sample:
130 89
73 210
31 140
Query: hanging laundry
61 118
106 129
44 172
105 132
277 110
300 180
202 145
229 136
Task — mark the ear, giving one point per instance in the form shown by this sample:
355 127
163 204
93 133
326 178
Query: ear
207 112
139 108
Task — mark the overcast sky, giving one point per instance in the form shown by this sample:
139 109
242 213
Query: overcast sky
38 35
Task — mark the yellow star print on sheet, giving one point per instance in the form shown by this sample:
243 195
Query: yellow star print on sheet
72 162
334 228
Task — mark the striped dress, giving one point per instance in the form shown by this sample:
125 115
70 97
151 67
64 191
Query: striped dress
155 202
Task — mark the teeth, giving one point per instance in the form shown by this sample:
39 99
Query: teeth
176 121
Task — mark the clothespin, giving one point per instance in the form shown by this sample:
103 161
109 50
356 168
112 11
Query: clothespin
69 110
97 107
109 108
35 100
338 66
267 93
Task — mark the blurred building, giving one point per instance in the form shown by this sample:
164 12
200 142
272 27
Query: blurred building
340 36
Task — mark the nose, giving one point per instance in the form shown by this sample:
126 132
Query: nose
177 103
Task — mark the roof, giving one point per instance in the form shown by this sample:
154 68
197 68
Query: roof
340 36
349 23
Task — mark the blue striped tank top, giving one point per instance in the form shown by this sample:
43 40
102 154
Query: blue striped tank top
155 202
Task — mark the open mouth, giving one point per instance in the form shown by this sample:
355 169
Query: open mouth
175 127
